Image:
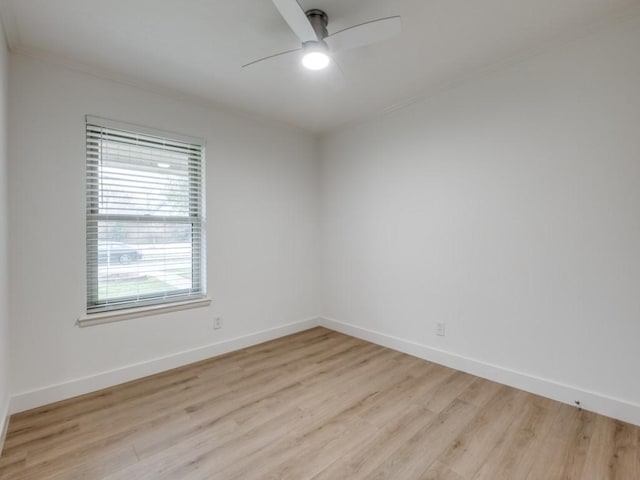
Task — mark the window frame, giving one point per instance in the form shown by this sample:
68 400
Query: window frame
126 307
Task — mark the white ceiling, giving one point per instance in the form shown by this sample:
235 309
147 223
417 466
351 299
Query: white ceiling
197 47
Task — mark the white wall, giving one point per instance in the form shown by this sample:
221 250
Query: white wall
4 252
262 213
507 207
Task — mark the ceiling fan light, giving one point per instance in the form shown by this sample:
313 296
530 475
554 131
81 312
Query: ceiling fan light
315 60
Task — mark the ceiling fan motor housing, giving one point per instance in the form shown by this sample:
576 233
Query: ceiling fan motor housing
310 27
319 21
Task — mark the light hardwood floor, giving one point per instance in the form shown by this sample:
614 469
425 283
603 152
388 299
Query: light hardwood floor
316 405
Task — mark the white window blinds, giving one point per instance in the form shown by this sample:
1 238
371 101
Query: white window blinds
145 217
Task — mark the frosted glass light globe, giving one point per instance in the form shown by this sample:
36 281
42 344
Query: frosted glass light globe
315 60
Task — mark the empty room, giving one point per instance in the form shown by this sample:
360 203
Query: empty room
320 239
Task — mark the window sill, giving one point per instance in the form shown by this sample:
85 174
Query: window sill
126 314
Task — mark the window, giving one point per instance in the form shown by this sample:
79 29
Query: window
145 222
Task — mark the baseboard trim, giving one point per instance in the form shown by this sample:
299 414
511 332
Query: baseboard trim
80 386
4 418
592 401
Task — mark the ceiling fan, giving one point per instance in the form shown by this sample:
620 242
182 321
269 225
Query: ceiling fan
318 43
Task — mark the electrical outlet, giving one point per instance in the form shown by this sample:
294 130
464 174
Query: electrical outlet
217 323
440 329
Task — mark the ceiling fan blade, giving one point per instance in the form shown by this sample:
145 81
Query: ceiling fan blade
294 15
270 57
364 33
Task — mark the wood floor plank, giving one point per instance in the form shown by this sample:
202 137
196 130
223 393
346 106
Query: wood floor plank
637 450
208 454
367 456
439 471
316 405
443 395
515 456
480 392
612 452
329 415
579 445
564 448
12 464
238 411
466 454
414 458
309 457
